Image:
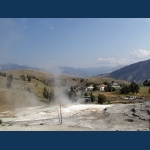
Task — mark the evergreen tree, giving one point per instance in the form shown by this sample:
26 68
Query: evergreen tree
85 94
109 88
134 88
94 87
101 98
48 95
137 88
72 94
45 93
9 80
92 97
22 77
146 83
28 78
125 89
3 74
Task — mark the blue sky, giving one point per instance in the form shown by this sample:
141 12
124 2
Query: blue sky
74 42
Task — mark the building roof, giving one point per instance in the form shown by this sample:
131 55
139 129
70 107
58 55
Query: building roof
102 85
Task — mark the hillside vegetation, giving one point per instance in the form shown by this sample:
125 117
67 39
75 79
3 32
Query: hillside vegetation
30 93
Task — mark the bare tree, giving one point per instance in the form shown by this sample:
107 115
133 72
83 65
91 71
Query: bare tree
59 114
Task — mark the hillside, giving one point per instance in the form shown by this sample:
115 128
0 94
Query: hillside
137 72
25 93
23 107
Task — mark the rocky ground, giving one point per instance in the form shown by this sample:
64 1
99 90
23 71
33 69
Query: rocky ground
78 117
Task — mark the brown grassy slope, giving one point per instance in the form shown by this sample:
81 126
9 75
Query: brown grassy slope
38 74
19 96
63 80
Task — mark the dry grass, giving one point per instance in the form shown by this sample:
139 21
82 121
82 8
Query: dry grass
115 97
38 74
9 98
18 96
144 91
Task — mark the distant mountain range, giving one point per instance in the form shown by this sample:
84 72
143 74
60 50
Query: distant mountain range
87 72
80 72
137 72
11 66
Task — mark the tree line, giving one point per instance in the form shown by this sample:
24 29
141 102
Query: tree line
3 74
133 88
49 95
109 88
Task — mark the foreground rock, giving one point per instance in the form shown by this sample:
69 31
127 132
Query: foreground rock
129 116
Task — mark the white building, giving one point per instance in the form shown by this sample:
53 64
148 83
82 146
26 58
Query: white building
102 87
90 88
115 85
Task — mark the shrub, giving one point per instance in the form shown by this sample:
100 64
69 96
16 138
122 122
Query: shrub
109 88
101 98
92 97
49 95
81 80
86 94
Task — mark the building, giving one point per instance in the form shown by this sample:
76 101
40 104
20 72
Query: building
115 85
90 88
102 87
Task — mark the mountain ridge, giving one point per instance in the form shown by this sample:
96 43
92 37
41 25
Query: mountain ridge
137 72
87 72
79 72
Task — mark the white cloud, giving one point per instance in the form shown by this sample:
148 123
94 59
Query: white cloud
118 59
107 60
111 61
132 57
56 62
140 54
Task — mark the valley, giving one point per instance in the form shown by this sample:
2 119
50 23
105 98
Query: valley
23 106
